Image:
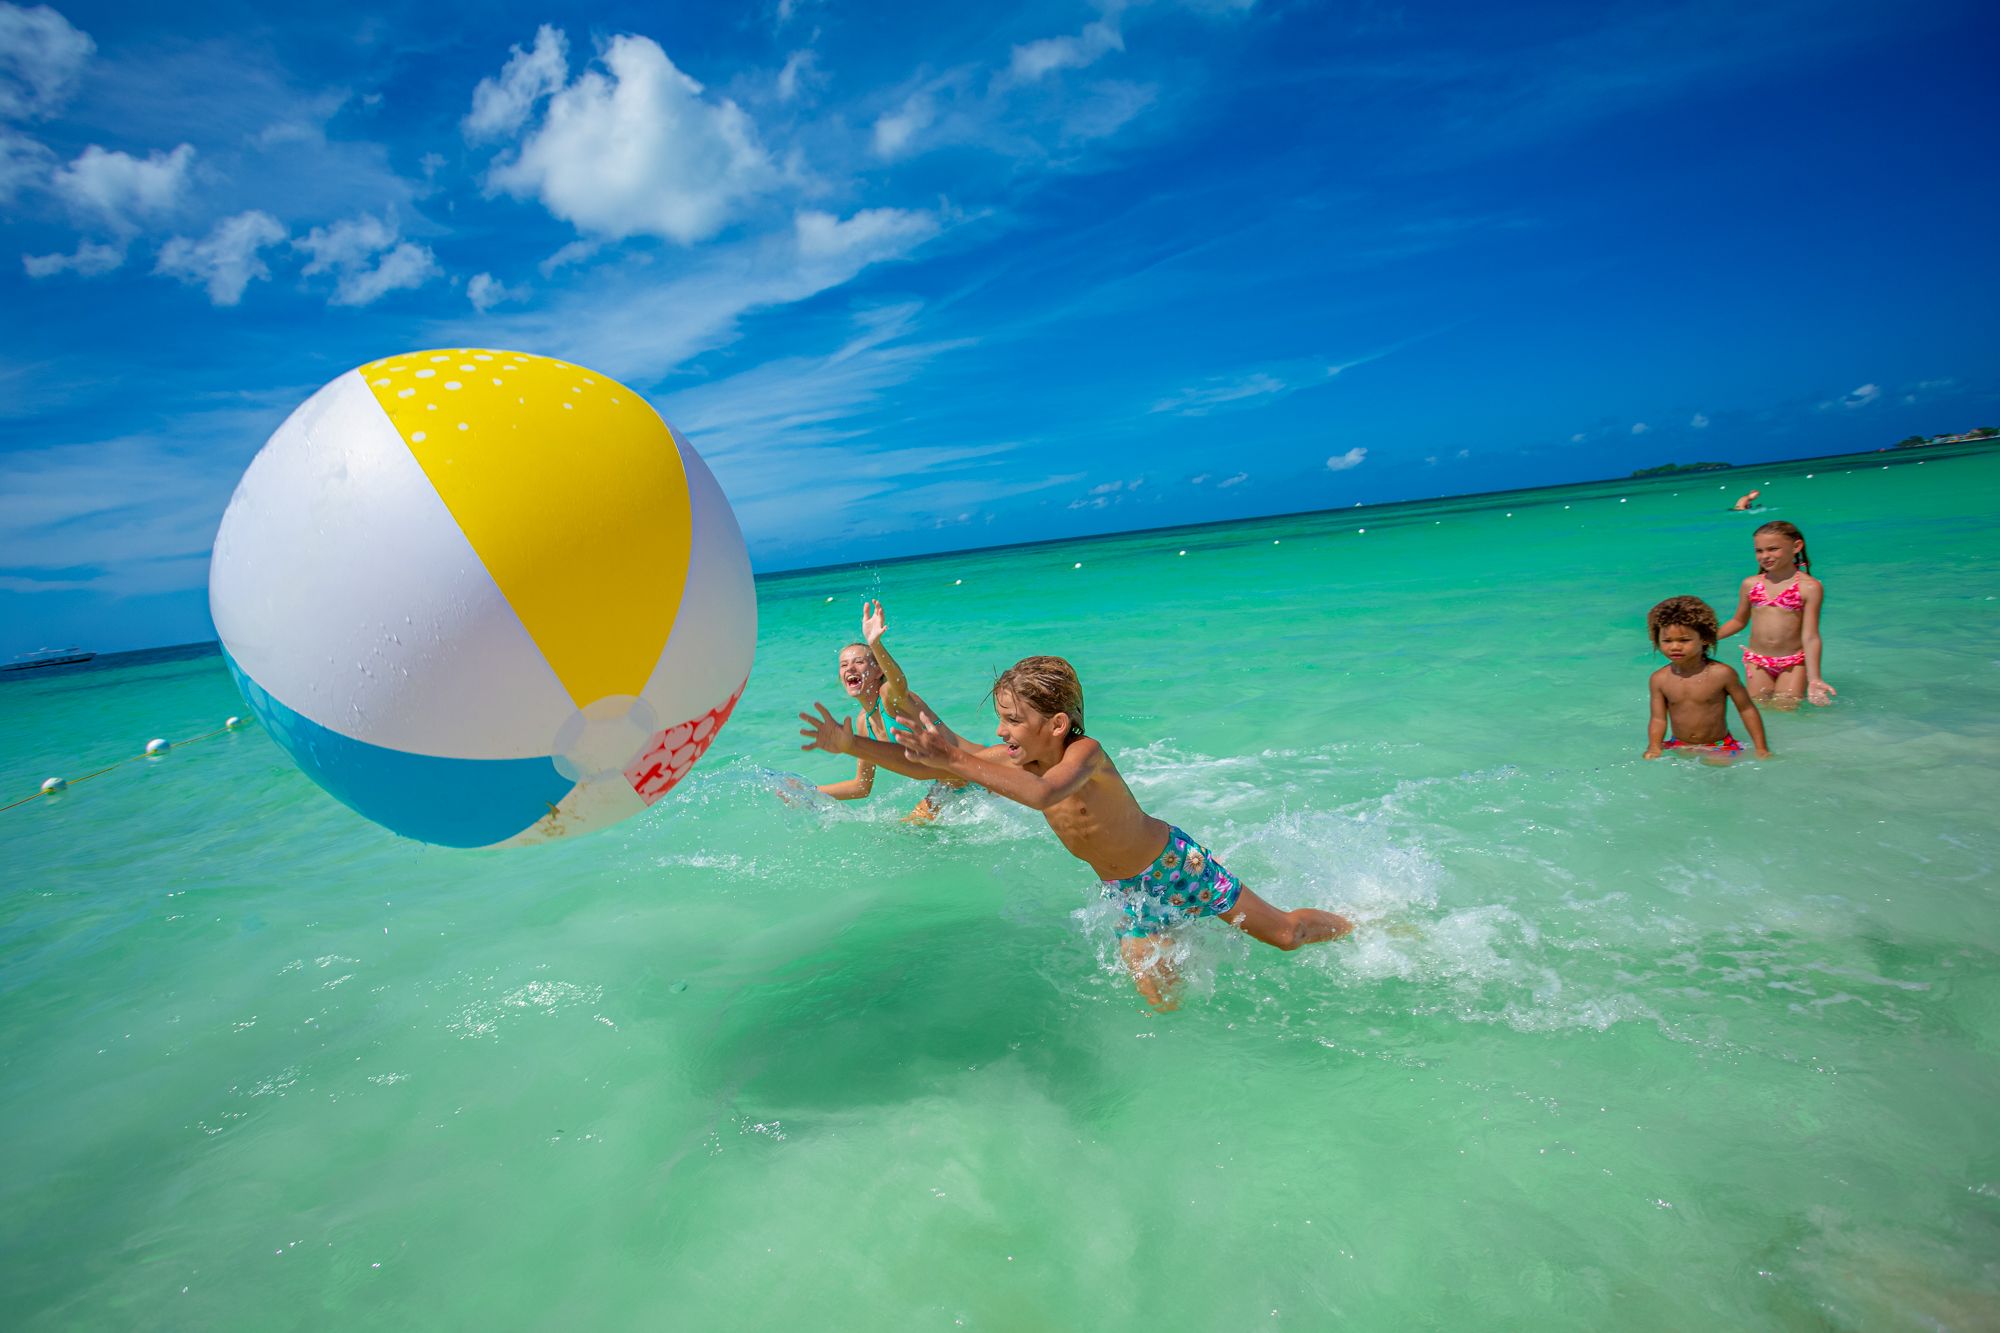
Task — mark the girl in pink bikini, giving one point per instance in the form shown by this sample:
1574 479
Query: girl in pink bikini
1781 604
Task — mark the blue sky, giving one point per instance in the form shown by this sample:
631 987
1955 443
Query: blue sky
918 277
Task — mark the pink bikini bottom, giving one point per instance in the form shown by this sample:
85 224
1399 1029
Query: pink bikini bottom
1777 666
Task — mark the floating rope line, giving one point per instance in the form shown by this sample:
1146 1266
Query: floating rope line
144 754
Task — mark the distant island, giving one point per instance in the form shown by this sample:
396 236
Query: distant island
1664 468
1963 437
1973 436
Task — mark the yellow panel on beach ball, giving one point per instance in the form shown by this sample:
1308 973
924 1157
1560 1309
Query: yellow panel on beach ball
554 526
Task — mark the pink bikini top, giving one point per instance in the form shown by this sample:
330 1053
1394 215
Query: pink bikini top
1788 600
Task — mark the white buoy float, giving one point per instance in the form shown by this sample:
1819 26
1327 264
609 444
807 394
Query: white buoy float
232 723
55 784
158 746
1077 565
956 582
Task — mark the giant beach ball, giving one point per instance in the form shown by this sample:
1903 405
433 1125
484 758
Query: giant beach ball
484 597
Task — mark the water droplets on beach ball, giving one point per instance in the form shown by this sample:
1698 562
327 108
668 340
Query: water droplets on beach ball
527 622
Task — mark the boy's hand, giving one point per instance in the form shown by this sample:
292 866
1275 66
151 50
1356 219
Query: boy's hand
1820 692
928 741
871 622
826 732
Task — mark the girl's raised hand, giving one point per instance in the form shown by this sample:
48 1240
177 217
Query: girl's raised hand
871 622
825 732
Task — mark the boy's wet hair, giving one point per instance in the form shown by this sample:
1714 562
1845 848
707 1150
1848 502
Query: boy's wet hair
1687 612
1790 532
1048 685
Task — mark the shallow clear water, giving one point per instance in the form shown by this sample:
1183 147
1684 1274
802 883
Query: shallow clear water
1618 1044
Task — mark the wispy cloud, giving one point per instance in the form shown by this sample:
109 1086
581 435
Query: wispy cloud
633 323
1853 398
132 514
367 258
227 260
1034 60
1353 458
1201 399
88 260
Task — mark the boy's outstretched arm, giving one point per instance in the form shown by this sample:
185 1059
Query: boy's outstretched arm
1746 708
833 735
895 685
929 741
1656 724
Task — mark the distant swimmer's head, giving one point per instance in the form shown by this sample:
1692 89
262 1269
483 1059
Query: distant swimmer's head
1684 628
859 674
1039 703
1777 544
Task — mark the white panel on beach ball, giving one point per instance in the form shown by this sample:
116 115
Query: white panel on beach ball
484 597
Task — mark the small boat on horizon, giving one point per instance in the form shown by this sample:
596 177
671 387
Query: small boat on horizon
48 657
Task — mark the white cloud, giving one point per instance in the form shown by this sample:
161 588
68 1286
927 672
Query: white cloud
486 291
227 260
500 106
402 268
348 243
1699 421
40 58
89 261
1352 458
1862 396
1640 428
1032 60
1577 438
871 234
1236 480
120 189
576 252
895 130
367 259
1463 453
639 150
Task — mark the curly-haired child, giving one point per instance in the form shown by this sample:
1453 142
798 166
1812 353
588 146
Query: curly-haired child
1691 689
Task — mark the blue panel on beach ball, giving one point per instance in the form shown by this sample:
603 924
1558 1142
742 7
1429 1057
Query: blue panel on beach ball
451 802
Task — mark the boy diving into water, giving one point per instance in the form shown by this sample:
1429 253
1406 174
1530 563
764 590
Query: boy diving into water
1161 876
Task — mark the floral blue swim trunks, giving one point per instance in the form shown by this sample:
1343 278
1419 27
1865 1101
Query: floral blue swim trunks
1184 882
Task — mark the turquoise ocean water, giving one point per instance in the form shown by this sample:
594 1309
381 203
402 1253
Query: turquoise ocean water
1617 1044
